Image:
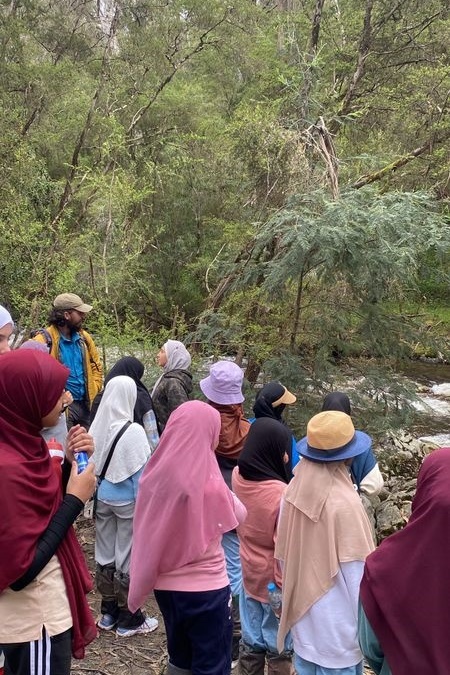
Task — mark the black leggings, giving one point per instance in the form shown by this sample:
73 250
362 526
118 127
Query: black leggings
47 656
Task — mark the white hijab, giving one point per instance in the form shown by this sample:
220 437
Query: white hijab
178 358
132 450
5 317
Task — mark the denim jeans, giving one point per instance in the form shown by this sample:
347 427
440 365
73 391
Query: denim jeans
309 668
230 545
259 626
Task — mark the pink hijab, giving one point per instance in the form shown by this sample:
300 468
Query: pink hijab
405 589
183 503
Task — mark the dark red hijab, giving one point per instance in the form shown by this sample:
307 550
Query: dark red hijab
30 492
405 589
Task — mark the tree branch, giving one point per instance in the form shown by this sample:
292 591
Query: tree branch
67 193
312 51
202 42
393 166
33 116
363 52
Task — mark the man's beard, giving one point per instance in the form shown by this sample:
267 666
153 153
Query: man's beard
75 327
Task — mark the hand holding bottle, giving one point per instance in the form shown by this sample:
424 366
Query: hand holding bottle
78 440
275 598
151 429
82 485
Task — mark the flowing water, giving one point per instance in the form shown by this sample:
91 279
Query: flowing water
432 381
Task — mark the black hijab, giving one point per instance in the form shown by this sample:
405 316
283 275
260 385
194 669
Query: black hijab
271 392
337 400
262 457
132 367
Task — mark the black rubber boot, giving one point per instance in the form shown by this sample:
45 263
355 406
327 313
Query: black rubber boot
127 619
251 662
280 664
104 580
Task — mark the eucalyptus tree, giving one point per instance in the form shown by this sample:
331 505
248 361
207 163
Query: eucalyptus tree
117 117
362 97
147 144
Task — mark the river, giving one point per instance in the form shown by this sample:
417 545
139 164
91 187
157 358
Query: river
429 384
432 383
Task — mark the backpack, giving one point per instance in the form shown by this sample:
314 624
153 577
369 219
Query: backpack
47 336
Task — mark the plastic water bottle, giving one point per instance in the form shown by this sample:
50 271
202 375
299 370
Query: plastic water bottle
151 429
275 598
82 460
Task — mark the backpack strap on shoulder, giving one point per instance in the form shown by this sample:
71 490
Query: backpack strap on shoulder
47 336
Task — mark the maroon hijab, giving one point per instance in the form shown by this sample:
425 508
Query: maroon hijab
405 589
30 492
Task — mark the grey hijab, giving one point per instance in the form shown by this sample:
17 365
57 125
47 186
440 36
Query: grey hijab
178 358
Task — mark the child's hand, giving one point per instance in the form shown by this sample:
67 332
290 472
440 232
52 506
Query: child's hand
82 485
77 440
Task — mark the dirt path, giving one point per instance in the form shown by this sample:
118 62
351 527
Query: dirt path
110 655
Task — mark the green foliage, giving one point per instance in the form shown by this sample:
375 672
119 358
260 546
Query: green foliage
321 280
173 166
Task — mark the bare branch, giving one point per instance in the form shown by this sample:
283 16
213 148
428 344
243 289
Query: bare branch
32 117
209 267
319 136
363 51
313 46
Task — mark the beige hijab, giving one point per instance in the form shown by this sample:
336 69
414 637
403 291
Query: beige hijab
322 524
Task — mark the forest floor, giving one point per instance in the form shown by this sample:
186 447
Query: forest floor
110 655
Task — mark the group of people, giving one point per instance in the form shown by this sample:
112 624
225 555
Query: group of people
51 394
223 508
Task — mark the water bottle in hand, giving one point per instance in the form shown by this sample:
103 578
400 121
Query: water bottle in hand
274 594
82 460
151 429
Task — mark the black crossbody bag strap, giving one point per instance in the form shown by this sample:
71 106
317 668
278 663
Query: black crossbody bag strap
111 450
105 466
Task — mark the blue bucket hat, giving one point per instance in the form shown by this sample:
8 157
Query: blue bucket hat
331 437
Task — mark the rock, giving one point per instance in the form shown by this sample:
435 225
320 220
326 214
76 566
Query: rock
370 504
428 446
383 494
389 519
399 458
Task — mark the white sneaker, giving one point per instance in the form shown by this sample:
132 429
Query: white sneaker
148 626
107 622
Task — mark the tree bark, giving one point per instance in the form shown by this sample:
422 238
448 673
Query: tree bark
312 52
67 192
